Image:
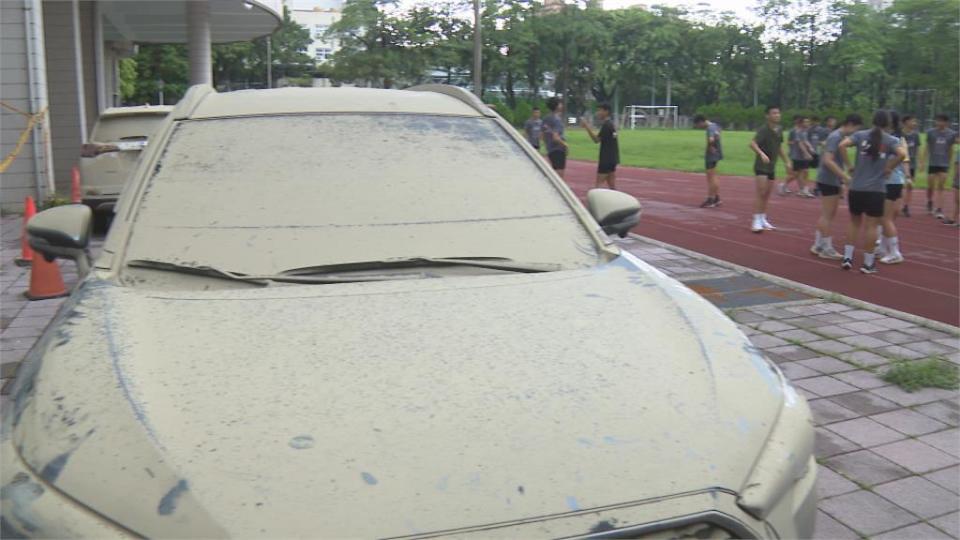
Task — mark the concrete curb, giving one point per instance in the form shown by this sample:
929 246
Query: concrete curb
807 289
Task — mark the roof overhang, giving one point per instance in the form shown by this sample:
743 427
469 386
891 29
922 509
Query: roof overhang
165 21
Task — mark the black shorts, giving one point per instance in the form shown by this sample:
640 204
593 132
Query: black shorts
828 190
936 170
866 202
801 164
894 192
769 174
606 168
558 160
710 163
815 162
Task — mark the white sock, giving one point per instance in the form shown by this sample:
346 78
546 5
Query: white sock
763 217
893 244
848 251
827 242
885 244
879 231
818 239
868 258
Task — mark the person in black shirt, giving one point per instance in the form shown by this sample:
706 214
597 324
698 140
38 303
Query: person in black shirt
609 148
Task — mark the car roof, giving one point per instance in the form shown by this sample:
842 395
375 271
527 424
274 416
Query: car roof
138 110
328 100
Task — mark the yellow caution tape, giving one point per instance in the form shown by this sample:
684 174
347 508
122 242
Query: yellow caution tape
32 120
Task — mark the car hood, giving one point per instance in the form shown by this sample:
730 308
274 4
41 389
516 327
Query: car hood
390 408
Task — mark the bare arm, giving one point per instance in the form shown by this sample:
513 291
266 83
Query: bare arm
895 160
756 149
593 136
847 142
786 161
829 163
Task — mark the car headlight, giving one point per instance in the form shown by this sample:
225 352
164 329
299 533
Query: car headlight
784 460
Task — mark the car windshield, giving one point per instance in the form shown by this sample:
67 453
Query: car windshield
262 195
118 128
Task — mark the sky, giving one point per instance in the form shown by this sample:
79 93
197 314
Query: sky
739 7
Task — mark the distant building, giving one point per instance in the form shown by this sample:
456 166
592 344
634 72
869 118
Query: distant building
880 4
553 6
317 16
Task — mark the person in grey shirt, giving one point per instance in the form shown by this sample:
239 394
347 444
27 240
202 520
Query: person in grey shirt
938 153
800 155
712 155
830 177
912 138
553 136
878 153
533 128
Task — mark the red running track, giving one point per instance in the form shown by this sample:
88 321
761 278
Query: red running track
926 284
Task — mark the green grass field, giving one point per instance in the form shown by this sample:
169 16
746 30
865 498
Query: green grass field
679 150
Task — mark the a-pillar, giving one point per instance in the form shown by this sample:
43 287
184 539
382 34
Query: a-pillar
198 42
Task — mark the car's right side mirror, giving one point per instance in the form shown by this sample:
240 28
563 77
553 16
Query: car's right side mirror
63 231
616 212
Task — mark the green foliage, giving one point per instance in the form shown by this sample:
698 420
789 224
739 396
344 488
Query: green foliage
53 200
931 373
127 68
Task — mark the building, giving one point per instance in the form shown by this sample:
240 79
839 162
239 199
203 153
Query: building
58 70
317 16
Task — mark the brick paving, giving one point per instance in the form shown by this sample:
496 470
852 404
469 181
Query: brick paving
888 458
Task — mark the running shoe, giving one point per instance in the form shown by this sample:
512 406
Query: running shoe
707 203
807 194
893 258
767 226
869 269
784 190
757 226
906 211
847 264
815 249
716 202
829 253
939 214
949 222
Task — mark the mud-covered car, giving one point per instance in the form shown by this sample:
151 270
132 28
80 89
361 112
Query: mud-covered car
117 139
333 313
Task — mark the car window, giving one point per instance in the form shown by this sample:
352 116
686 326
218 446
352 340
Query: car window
117 128
265 194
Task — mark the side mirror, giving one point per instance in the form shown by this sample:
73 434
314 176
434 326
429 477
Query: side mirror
615 211
63 231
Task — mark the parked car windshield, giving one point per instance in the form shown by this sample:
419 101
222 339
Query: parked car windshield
261 195
117 128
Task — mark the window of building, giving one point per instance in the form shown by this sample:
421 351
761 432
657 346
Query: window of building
319 30
322 54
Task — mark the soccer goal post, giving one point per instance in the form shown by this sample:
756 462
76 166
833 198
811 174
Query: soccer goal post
649 116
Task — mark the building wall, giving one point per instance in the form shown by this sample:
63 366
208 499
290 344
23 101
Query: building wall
20 179
317 15
65 128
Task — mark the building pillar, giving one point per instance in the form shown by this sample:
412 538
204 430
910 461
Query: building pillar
198 42
78 68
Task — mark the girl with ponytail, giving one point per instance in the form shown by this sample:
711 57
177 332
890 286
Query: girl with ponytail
878 154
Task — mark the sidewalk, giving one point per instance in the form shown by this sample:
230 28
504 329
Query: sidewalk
888 458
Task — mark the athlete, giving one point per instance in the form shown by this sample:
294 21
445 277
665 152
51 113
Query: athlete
609 147
767 144
878 154
712 155
955 221
889 241
830 178
800 155
938 154
553 136
912 138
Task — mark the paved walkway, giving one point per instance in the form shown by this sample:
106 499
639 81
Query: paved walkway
888 458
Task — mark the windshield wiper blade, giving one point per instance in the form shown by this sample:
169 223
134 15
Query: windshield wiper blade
210 271
493 263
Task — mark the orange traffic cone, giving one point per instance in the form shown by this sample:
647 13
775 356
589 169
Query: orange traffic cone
26 254
75 196
45 280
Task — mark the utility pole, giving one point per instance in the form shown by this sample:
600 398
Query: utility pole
477 51
269 63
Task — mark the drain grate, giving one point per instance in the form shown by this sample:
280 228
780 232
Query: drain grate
743 291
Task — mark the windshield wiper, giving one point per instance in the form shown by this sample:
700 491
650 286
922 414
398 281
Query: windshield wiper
210 271
493 263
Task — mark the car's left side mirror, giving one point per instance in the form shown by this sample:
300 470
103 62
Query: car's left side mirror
615 211
63 231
